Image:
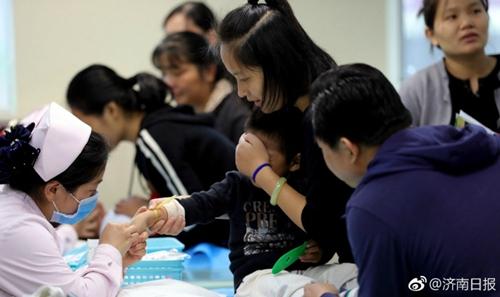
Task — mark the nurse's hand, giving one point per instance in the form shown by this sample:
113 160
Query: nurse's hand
121 236
250 154
318 289
137 250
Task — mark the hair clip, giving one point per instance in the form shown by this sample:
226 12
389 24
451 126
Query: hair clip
324 93
136 87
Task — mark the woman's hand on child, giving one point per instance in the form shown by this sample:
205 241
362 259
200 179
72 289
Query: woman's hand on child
318 289
121 236
137 250
312 254
250 153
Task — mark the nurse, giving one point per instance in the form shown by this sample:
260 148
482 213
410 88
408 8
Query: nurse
50 168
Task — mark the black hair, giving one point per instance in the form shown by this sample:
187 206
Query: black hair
17 158
270 37
97 85
187 47
283 126
198 12
429 10
356 101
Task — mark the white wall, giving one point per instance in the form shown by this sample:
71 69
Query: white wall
57 38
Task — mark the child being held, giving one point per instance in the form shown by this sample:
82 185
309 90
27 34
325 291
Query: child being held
259 232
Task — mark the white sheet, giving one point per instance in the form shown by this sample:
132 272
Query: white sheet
166 288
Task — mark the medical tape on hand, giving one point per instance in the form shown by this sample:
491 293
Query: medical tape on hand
173 208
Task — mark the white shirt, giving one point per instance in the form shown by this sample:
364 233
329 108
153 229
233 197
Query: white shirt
31 257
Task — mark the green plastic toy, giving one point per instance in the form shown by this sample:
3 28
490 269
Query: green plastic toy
289 258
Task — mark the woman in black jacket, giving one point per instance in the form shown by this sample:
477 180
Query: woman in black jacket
178 152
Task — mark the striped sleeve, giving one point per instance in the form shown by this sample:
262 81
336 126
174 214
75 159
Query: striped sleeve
153 152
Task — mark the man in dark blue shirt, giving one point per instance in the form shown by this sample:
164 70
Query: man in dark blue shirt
424 217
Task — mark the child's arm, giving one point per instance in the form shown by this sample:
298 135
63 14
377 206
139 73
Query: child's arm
200 207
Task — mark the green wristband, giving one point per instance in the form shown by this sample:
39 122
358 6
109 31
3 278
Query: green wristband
277 190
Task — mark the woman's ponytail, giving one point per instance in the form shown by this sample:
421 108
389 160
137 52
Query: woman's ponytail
149 92
283 6
97 85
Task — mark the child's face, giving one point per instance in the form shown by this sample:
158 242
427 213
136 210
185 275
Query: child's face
277 158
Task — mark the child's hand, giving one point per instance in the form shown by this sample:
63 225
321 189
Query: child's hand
172 226
312 254
318 289
173 220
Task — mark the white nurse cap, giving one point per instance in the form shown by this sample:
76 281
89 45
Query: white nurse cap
60 136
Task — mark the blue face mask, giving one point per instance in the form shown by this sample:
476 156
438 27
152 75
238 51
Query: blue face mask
85 207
